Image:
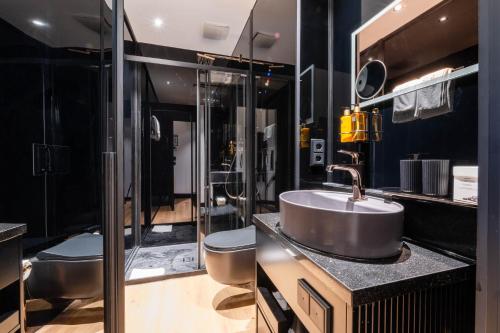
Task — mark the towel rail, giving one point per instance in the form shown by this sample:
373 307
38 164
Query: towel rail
452 76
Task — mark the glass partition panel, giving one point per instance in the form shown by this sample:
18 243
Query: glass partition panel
51 120
224 101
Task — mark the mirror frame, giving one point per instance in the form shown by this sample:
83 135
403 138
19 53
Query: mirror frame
354 45
381 86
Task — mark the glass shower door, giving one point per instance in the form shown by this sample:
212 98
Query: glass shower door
221 146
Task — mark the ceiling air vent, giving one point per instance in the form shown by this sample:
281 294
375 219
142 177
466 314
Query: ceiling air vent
264 40
215 31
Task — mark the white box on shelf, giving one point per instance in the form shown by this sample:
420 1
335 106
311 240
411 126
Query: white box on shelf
465 179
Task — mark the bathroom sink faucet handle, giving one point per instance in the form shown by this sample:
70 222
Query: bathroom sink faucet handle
354 155
358 192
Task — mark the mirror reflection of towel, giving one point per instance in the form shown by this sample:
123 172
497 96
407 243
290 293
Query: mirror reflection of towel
404 107
425 103
435 100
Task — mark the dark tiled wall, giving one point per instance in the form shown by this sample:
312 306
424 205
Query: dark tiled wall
49 96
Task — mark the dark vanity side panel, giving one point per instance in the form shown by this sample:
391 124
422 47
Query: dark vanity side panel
285 268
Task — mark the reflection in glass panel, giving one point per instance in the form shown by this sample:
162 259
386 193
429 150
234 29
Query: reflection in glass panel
166 100
274 118
51 120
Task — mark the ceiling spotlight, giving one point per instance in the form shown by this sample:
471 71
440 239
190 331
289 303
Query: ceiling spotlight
39 23
158 22
398 7
443 19
168 83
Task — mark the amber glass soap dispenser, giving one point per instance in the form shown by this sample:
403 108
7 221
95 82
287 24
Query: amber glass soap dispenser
346 125
360 122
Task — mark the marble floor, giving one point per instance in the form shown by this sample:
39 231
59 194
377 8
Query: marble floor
163 260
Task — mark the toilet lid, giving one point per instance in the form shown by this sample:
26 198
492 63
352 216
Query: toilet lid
82 247
238 239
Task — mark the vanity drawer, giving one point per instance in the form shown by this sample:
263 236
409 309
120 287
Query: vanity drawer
320 313
275 317
285 268
317 309
262 326
303 297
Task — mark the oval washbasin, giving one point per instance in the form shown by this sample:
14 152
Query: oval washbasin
328 221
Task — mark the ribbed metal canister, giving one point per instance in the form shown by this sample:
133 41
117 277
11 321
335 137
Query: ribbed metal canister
410 172
435 177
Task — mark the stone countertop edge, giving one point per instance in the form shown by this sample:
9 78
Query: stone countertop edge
368 282
11 230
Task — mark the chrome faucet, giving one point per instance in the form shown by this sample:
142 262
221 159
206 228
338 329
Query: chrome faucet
358 192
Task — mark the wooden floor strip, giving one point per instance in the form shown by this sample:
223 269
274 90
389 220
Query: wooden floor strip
194 304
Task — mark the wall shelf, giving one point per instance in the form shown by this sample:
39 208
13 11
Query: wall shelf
420 197
394 194
452 76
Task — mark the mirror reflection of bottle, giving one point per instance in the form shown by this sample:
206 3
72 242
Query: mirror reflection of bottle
376 133
305 136
360 122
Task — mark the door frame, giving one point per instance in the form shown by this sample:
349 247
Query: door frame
488 212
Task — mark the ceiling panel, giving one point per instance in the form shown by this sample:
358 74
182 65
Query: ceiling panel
180 22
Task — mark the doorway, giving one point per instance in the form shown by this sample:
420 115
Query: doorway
192 162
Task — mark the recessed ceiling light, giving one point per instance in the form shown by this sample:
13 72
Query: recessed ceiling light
39 23
168 83
158 22
398 7
443 19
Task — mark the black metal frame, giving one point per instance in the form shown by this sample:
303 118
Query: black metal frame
488 238
114 266
250 133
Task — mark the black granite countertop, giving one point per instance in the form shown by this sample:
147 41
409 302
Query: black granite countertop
417 268
11 230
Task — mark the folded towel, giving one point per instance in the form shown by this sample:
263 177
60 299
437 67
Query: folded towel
435 100
404 106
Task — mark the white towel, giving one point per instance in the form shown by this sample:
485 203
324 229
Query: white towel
404 106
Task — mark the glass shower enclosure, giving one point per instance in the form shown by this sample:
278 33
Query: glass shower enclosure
186 162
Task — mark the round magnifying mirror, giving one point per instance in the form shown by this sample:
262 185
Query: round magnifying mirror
371 79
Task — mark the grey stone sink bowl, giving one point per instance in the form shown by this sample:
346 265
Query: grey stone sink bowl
328 221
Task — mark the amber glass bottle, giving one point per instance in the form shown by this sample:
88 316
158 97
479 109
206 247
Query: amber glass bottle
360 122
346 125
305 136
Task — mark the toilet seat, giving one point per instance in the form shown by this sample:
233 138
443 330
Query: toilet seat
232 240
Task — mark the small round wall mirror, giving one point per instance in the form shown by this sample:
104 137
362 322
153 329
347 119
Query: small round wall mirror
371 79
